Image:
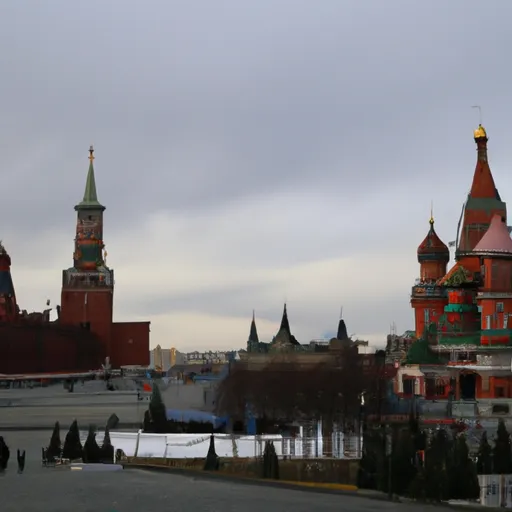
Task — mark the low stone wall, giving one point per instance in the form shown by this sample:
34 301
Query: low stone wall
338 471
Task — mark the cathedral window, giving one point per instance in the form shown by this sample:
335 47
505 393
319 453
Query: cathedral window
499 307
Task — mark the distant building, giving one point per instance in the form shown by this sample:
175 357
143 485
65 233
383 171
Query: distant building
258 354
285 341
163 359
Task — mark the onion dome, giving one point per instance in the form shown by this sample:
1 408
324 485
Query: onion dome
433 248
496 240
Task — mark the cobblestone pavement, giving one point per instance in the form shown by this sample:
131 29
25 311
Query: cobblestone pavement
61 490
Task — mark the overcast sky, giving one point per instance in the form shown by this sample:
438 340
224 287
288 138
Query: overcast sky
248 152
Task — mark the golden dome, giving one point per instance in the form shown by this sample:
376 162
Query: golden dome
480 132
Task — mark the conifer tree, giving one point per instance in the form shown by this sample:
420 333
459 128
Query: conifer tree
72 444
107 450
484 461
403 462
436 470
146 425
502 455
373 452
212 459
270 461
54 448
157 411
462 473
91 451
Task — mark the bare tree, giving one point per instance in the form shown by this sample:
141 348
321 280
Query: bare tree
288 389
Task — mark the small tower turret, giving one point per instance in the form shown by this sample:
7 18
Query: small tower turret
427 298
284 337
8 308
433 256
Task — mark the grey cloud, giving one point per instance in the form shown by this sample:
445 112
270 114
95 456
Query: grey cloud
242 300
192 105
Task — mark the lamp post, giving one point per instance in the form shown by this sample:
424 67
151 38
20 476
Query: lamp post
360 425
389 454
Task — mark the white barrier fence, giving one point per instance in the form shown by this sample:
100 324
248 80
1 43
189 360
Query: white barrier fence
184 446
495 491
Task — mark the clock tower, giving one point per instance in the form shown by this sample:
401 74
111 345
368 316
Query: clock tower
88 286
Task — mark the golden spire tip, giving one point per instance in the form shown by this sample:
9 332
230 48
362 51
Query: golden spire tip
91 153
480 132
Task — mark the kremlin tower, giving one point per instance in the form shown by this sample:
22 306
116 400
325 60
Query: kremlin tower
87 297
88 287
83 334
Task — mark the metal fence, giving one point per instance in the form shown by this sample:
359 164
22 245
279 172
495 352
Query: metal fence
337 446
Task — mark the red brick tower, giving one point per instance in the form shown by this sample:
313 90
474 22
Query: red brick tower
8 307
427 298
88 286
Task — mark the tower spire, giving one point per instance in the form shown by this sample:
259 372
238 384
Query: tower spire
90 200
285 324
253 334
483 201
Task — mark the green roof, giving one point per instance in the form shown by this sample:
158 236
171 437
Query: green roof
90 200
419 353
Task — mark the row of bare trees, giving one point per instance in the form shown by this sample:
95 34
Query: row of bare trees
290 388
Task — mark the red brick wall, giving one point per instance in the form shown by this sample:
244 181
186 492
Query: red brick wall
97 311
48 348
130 343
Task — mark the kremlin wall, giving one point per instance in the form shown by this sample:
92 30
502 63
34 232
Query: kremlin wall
84 334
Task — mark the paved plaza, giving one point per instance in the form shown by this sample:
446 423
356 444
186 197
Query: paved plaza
42 407
61 490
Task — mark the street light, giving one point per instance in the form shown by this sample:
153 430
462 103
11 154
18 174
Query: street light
389 454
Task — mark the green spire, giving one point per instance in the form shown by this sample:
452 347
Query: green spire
90 200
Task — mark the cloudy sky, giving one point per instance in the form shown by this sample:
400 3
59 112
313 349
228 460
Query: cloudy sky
248 152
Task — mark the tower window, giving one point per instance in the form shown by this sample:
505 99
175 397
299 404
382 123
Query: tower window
499 307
